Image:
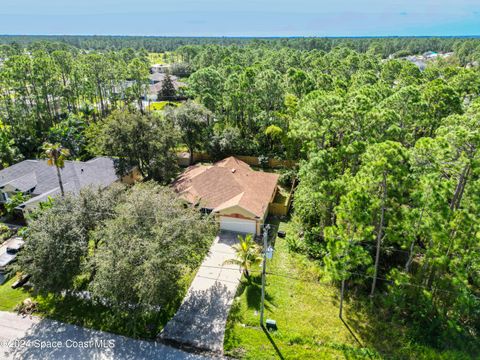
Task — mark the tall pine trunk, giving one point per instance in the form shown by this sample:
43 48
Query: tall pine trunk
379 233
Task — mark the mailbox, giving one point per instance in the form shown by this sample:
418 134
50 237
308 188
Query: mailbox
271 324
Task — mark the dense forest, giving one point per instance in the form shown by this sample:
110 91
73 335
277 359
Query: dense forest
388 177
398 46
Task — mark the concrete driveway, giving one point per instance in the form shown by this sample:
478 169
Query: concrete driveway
35 338
200 321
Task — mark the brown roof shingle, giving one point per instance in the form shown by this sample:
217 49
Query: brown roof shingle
227 183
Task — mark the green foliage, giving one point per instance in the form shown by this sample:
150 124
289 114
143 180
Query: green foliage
193 122
134 249
14 201
145 142
304 303
56 243
207 85
58 237
248 254
148 248
56 154
71 88
5 232
70 133
288 177
168 91
263 161
274 132
8 151
388 174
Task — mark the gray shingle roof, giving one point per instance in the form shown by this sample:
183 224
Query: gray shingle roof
23 183
41 179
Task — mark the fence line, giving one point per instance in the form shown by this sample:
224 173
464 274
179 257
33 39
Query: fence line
183 160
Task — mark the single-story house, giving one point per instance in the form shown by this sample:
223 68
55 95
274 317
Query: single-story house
238 196
159 68
39 180
156 83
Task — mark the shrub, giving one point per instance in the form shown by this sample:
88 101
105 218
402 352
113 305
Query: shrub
287 177
263 161
5 232
13 202
295 244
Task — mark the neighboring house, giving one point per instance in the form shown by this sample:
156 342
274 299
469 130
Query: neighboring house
156 82
237 195
156 78
39 180
159 68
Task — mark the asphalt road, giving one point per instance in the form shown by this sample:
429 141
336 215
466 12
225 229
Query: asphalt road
35 338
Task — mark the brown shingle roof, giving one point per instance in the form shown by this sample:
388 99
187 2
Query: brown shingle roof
227 183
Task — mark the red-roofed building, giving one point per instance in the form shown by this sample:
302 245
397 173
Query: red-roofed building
236 194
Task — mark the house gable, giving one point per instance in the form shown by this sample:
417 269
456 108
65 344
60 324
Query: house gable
236 211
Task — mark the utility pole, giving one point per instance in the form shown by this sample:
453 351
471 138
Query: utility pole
341 299
342 294
264 269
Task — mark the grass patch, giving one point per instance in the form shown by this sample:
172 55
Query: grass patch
166 57
72 310
305 306
10 298
156 58
160 105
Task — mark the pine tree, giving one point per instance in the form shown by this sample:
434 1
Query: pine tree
167 92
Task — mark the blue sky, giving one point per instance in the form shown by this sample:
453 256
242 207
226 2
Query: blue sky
241 17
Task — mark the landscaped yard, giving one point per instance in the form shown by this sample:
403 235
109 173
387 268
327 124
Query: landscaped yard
156 58
10 298
75 311
159 105
305 306
305 310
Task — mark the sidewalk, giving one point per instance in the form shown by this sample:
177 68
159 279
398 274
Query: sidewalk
35 338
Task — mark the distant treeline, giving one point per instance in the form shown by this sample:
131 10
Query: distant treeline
383 46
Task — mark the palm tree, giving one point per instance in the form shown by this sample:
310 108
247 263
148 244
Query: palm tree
247 254
56 154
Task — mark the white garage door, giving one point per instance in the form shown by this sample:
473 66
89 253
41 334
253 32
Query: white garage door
238 225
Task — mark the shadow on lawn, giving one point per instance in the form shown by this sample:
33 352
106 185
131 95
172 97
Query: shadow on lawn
279 353
368 322
253 290
387 335
72 310
351 332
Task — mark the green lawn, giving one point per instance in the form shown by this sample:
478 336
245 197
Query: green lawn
160 105
305 310
305 307
75 311
10 298
155 58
